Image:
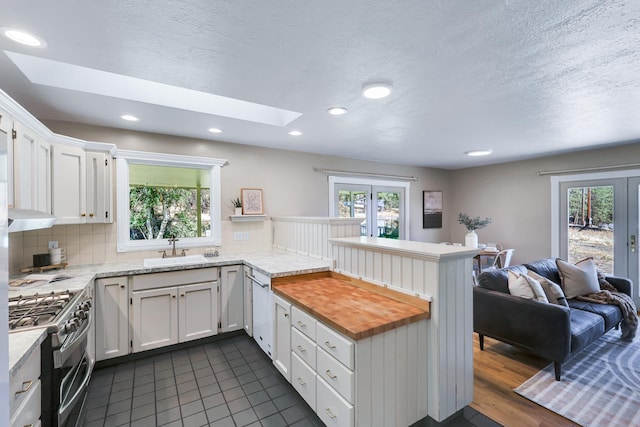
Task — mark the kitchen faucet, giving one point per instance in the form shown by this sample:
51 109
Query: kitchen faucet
172 241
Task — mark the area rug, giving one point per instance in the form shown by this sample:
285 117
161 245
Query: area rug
600 386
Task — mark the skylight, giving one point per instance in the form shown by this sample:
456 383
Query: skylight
73 77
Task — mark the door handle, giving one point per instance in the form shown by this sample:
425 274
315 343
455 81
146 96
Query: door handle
632 243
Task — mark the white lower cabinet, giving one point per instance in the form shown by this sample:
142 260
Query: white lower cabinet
303 379
161 316
112 317
232 301
282 337
25 393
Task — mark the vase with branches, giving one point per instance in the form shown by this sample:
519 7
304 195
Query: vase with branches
472 224
237 204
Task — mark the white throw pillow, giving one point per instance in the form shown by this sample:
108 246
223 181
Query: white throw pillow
579 279
527 287
552 290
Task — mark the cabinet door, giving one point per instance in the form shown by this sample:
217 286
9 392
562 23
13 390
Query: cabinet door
282 337
99 187
69 184
32 170
197 311
154 316
6 126
231 298
248 305
112 317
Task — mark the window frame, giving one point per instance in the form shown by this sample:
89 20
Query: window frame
126 157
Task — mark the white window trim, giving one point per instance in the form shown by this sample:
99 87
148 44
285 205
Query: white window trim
406 185
556 180
124 157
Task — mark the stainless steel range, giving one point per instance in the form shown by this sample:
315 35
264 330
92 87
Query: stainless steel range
66 367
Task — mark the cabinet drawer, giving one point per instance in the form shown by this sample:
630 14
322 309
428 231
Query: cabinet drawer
303 347
173 278
303 322
27 377
28 413
336 345
336 375
332 409
303 379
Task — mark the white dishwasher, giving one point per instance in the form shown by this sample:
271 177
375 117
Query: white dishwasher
262 311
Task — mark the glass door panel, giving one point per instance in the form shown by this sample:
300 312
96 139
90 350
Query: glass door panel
388 213
352 203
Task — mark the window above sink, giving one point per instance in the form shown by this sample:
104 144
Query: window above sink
160 196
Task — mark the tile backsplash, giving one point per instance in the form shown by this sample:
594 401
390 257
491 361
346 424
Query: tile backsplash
96 243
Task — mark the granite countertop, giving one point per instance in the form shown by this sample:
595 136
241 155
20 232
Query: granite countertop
355 308
274 263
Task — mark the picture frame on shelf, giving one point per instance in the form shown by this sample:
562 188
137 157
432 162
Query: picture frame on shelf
432 209
251 201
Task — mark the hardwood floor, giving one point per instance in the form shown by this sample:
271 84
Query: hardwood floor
497 371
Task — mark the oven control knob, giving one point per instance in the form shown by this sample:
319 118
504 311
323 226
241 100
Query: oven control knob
81 314
70 326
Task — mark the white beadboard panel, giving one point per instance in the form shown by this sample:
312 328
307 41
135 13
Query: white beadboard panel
310 235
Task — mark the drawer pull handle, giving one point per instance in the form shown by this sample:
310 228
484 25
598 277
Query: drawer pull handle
302 349
331 346
25 387
330 375
302 325
331 414
301 381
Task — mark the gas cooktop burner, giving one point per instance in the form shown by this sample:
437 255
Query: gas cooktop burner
36 310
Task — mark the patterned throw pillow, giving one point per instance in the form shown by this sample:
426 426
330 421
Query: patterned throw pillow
527 287
552 290
579 279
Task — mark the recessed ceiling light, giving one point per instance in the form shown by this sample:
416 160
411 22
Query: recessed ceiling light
295 133
22 37
376 90
476 153
337 111
215 130
129 118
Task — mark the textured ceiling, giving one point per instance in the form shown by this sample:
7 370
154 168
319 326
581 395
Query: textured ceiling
524 78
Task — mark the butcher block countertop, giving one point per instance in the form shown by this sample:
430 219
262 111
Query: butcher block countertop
355 308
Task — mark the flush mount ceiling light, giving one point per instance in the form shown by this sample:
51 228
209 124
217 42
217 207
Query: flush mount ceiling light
376 90
476 153
295 133
23 37
129 118
215 130
337 111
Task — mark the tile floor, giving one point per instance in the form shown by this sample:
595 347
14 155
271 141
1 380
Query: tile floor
229 382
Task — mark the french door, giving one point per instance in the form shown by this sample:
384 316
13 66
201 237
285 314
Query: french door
381 207
600 219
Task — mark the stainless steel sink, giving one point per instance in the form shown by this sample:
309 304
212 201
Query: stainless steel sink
180 260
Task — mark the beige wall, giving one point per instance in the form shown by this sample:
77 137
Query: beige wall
519 200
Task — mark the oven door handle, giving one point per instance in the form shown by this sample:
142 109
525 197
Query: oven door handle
77 338
65 407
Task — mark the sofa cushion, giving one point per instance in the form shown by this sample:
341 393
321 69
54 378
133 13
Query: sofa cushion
524 286
546 268
579 279
611 314
552 290
497 279
586 327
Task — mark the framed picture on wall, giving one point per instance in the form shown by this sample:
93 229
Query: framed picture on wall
432 209
251 201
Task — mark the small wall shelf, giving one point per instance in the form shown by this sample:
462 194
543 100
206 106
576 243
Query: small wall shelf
247 217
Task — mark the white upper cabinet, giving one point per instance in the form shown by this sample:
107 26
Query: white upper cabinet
32 169
6 123
82 185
